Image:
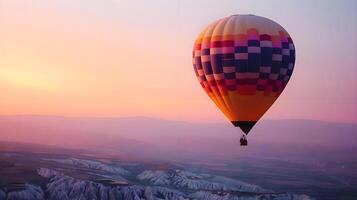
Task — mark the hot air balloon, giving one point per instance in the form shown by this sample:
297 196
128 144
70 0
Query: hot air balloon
243 63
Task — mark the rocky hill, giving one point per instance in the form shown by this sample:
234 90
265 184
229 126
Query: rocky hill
171 184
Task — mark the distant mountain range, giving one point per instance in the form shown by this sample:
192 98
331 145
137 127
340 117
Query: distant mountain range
149 138
58 130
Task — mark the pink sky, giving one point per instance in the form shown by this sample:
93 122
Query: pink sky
130 58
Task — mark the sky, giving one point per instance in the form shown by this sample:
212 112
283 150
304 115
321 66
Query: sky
107 58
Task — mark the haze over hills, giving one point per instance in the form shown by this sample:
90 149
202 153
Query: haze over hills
65 131
150 138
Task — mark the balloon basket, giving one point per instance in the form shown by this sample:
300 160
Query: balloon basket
243 141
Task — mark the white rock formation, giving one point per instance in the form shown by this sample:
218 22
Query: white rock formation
186 179
31 192
90 164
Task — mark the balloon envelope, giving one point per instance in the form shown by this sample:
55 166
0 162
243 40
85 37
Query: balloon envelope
243 62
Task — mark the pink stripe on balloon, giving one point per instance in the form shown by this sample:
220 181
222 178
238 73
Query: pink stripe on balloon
253 34
228 50
231 81
262 82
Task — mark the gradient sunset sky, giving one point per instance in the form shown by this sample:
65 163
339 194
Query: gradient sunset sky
108 58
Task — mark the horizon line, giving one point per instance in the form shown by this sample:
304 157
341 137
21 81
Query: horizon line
165 119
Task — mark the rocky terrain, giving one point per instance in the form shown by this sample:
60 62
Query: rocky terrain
63 187
193 181
84 179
